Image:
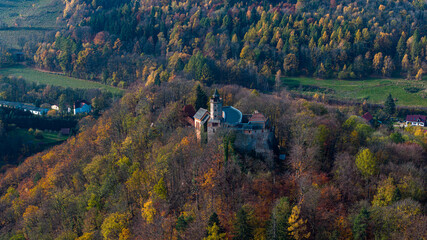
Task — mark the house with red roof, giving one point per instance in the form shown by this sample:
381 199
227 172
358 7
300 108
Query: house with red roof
416 120
368 117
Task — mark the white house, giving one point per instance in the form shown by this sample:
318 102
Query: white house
24 107
200 121
416 120
39 111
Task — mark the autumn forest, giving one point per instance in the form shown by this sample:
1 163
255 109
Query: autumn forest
133 168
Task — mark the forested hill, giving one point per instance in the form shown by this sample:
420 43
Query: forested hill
139 173
240 42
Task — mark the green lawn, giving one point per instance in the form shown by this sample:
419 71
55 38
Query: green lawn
373 90
33 75
48 137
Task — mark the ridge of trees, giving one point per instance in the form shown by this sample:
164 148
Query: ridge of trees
237 42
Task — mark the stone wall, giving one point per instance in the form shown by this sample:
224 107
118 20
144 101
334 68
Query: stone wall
257 141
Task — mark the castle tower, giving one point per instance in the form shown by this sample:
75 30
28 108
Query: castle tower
215 114
216 106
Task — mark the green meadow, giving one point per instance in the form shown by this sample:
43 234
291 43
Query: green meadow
28 20
48 137
38 77
407 92
30 13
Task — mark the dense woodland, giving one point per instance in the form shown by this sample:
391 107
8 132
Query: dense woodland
139 173
238 42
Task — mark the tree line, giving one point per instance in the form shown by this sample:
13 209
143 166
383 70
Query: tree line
237 42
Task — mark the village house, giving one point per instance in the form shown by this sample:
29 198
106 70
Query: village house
368 117
252 132
416 120
82 107
55 107
24 107
200 121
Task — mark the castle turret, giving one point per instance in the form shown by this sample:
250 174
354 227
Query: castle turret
216 106
215 114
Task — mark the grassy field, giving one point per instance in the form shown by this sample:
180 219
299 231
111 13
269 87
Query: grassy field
33 75
16 38
30 13
28 20
48 137
407 92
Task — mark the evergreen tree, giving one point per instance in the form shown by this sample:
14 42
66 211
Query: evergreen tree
389 105
242 228
401 46
279 220
179 65
214 221
360 224
201 98
157 80
206 74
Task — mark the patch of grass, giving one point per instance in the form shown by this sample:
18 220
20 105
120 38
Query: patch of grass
373 90
17 38
32 13
48 137
38 77
28 20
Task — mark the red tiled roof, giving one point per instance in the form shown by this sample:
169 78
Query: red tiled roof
415 118
367 116
257 117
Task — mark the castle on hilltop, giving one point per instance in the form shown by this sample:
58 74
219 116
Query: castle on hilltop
252 131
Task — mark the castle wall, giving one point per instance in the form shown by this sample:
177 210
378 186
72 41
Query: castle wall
261 142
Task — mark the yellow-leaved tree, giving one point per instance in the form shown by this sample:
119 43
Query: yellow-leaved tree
214 233
148 211
297 226
366 162
387 193
115 226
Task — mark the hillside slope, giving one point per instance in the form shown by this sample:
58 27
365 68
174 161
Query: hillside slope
239 42
139 173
